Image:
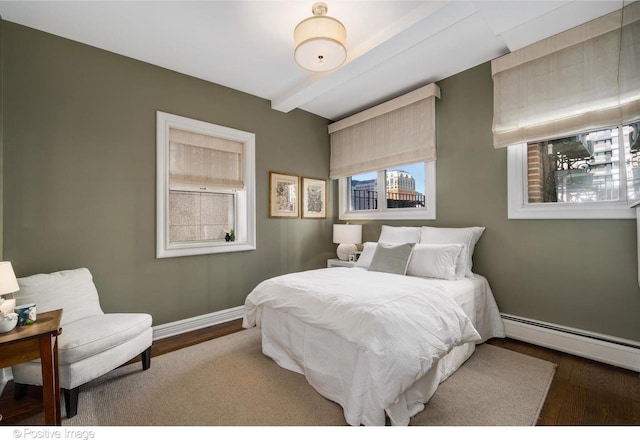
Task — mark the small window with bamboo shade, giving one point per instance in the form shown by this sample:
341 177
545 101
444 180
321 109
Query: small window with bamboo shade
206 199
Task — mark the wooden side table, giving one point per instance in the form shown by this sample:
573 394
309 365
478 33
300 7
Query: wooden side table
33 341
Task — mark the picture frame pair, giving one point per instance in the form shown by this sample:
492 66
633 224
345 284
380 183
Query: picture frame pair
291 196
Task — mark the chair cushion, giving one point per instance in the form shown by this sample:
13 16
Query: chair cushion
70 290
87 337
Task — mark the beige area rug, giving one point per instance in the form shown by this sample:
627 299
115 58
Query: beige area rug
229 382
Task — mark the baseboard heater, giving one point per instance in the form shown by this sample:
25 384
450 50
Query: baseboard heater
603 348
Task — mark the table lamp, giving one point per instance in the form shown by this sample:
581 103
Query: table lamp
346 236
8 284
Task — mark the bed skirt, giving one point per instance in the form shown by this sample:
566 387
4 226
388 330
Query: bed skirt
338 369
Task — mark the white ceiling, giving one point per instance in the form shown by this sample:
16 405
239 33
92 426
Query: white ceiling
393 46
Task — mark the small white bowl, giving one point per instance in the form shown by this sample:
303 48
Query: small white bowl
8 324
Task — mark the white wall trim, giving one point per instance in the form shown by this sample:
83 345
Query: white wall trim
245 214
197 322
166 330
611 350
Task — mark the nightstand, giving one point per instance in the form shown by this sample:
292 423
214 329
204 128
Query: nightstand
335 262
33 341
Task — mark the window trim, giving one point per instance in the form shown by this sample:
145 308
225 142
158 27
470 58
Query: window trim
245 198
426 213
520 208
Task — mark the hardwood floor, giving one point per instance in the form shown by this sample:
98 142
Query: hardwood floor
22 412
583 392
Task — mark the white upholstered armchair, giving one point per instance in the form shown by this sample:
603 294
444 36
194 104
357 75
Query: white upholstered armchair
92 342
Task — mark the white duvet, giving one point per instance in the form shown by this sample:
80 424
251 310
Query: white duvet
403 329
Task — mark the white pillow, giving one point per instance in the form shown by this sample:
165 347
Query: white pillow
368 249
400 234
467 236
442 261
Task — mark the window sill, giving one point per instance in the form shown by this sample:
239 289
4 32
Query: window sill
604 211
199 249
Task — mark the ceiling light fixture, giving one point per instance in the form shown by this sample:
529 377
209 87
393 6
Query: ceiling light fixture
320 41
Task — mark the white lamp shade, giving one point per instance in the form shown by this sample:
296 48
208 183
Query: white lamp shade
347 234
8 281
320 44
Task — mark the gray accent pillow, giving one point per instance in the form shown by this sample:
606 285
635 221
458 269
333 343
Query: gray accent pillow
391 258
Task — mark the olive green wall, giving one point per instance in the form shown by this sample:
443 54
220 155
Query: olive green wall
79 188
580 274
1 136
80 180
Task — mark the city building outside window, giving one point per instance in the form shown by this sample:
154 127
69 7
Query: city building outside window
404 192
595 174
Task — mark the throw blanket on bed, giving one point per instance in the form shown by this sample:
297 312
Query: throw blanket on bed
402 324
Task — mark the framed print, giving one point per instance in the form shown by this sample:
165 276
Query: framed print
283 195
314 198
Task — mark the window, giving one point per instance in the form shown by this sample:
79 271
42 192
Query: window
595 174
403 192
205 188
384 159
567 107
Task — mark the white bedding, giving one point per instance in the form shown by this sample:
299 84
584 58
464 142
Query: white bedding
373 350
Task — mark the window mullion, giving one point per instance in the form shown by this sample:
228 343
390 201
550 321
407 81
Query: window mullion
378 207
382 192
622 156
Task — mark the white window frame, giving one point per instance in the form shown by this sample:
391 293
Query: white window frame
384 213
520 208
245 215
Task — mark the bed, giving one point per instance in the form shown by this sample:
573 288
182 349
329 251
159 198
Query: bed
378 341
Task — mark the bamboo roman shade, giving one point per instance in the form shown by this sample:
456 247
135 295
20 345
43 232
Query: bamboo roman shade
200 160
582 79
398 132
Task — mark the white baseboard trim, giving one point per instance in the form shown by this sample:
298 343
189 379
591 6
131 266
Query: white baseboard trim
602 348
166 330
197 322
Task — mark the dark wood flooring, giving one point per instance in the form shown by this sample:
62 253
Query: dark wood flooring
583 392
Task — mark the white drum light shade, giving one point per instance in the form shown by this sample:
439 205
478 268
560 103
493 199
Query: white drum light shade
8 281
320 41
